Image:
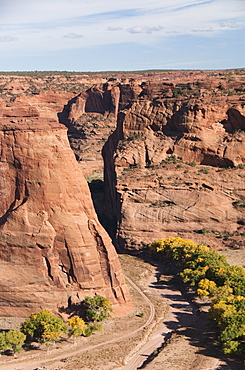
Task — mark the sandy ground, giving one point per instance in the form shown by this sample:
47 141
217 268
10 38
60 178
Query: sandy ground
191 344
234 256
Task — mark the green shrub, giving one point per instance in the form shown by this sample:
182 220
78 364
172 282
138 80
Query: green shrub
12 339
43 326
88 331
212 276
97 308
192 164
204 170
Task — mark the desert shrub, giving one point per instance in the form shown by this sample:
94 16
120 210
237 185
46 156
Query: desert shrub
206 287
12 339
88 331
192 164
134 165
177 248
240 166
135 136
43 326
162 203
171 159
204 170
95 326
97 308
209 272
3 343
178 92
76 326
228 313
238 204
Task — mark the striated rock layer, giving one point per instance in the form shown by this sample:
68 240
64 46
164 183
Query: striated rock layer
175 166
53 251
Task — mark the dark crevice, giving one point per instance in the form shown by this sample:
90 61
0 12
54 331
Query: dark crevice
71 270
40 246
147 158
69 302
63 269
12 207
47 263
4 218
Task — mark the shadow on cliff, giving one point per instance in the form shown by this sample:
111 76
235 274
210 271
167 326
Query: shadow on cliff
63 118
107 219
112 203
73 309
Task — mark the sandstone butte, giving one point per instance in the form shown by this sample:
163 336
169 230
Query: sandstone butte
53 250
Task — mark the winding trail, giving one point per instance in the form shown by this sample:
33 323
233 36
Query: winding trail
180 315
30 364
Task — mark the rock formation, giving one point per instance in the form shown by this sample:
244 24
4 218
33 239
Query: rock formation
174 161
164 165
53 251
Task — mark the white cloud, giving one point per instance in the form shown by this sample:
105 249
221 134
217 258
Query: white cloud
49 25
114 28
144 29
73 35
232 25
7 38
43 11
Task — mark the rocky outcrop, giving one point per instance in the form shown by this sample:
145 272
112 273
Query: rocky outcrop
164 166
53 251
211 135
102 99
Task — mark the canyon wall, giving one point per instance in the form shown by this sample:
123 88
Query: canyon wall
174 166
53 250
173 148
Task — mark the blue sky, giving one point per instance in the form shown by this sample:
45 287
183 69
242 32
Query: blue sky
96 35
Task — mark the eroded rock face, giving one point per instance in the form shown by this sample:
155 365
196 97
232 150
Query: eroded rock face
53 251
163 116
102 99
163 167
210 135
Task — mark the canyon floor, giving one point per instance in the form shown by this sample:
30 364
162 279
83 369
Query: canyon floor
191 343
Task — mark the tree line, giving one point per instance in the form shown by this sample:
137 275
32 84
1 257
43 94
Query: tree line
44 327
210 274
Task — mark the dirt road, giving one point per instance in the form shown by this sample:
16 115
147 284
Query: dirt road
31 363
191 345
180 314
190 348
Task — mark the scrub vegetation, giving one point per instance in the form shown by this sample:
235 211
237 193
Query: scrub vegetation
210 274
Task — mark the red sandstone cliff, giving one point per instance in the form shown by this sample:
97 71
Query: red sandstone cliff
53 251
163 165
195 117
